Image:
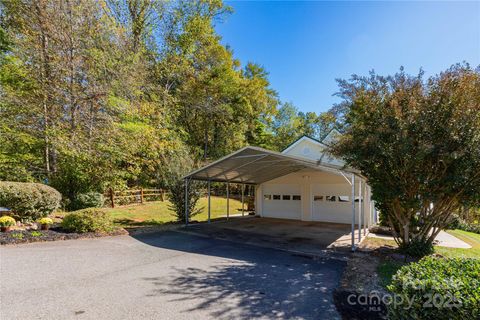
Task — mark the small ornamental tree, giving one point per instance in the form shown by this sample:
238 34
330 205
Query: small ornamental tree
177 199
418 144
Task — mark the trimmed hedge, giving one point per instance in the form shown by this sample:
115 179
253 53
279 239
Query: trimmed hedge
88 220
88 200
438 288
29 201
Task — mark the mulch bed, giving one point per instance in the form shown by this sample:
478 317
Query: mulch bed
54 234
359 294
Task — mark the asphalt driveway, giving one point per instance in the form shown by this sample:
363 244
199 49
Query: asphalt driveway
167 275
309 237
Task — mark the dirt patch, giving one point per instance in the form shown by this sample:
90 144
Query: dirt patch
361 273
54 234
359 294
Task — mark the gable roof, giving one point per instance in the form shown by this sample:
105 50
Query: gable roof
331 132
299 140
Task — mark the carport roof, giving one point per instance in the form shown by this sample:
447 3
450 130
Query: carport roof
254 165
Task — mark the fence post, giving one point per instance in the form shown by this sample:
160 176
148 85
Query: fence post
162 196
112 197
141 195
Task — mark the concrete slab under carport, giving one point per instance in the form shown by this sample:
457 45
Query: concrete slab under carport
309 237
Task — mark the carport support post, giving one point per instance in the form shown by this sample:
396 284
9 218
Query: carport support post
228 200
209 206
360 211
353 212
243 207
367 225
186 202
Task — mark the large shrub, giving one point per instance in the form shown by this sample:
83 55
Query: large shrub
438 289
29 201
88 220
417 143
88 200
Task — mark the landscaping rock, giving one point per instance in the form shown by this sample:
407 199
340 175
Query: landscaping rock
381 230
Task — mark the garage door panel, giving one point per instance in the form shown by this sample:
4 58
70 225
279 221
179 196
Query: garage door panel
331 203
338 213
285 207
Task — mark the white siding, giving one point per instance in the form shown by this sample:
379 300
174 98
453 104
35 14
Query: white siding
310 183
310 149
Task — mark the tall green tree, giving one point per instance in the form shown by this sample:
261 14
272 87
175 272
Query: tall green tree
418 144
121 93
286 125
80 98
218 102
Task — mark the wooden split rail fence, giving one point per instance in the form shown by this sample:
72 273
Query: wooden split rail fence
132 196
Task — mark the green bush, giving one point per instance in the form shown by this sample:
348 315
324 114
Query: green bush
88 220
417 248
438 288
459 223
88 200
29 201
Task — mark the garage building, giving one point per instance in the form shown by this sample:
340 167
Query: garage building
302 183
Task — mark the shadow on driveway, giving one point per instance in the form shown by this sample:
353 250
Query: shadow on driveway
248 282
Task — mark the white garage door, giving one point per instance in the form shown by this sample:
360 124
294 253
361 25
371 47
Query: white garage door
331 203
282 201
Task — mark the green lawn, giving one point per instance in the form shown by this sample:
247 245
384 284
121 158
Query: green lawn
158 212
471 238
388 268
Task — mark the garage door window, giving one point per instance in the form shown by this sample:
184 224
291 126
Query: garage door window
331 198
267 197
286 197
318 198
296 197
276 197
343 199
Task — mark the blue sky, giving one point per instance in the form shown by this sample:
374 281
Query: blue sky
306 45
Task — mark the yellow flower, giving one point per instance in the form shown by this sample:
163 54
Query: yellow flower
45 221
7 221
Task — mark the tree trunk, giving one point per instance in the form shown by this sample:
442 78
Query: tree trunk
406 234
205 143
45 137
45 78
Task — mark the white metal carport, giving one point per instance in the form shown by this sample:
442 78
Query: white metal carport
254 165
